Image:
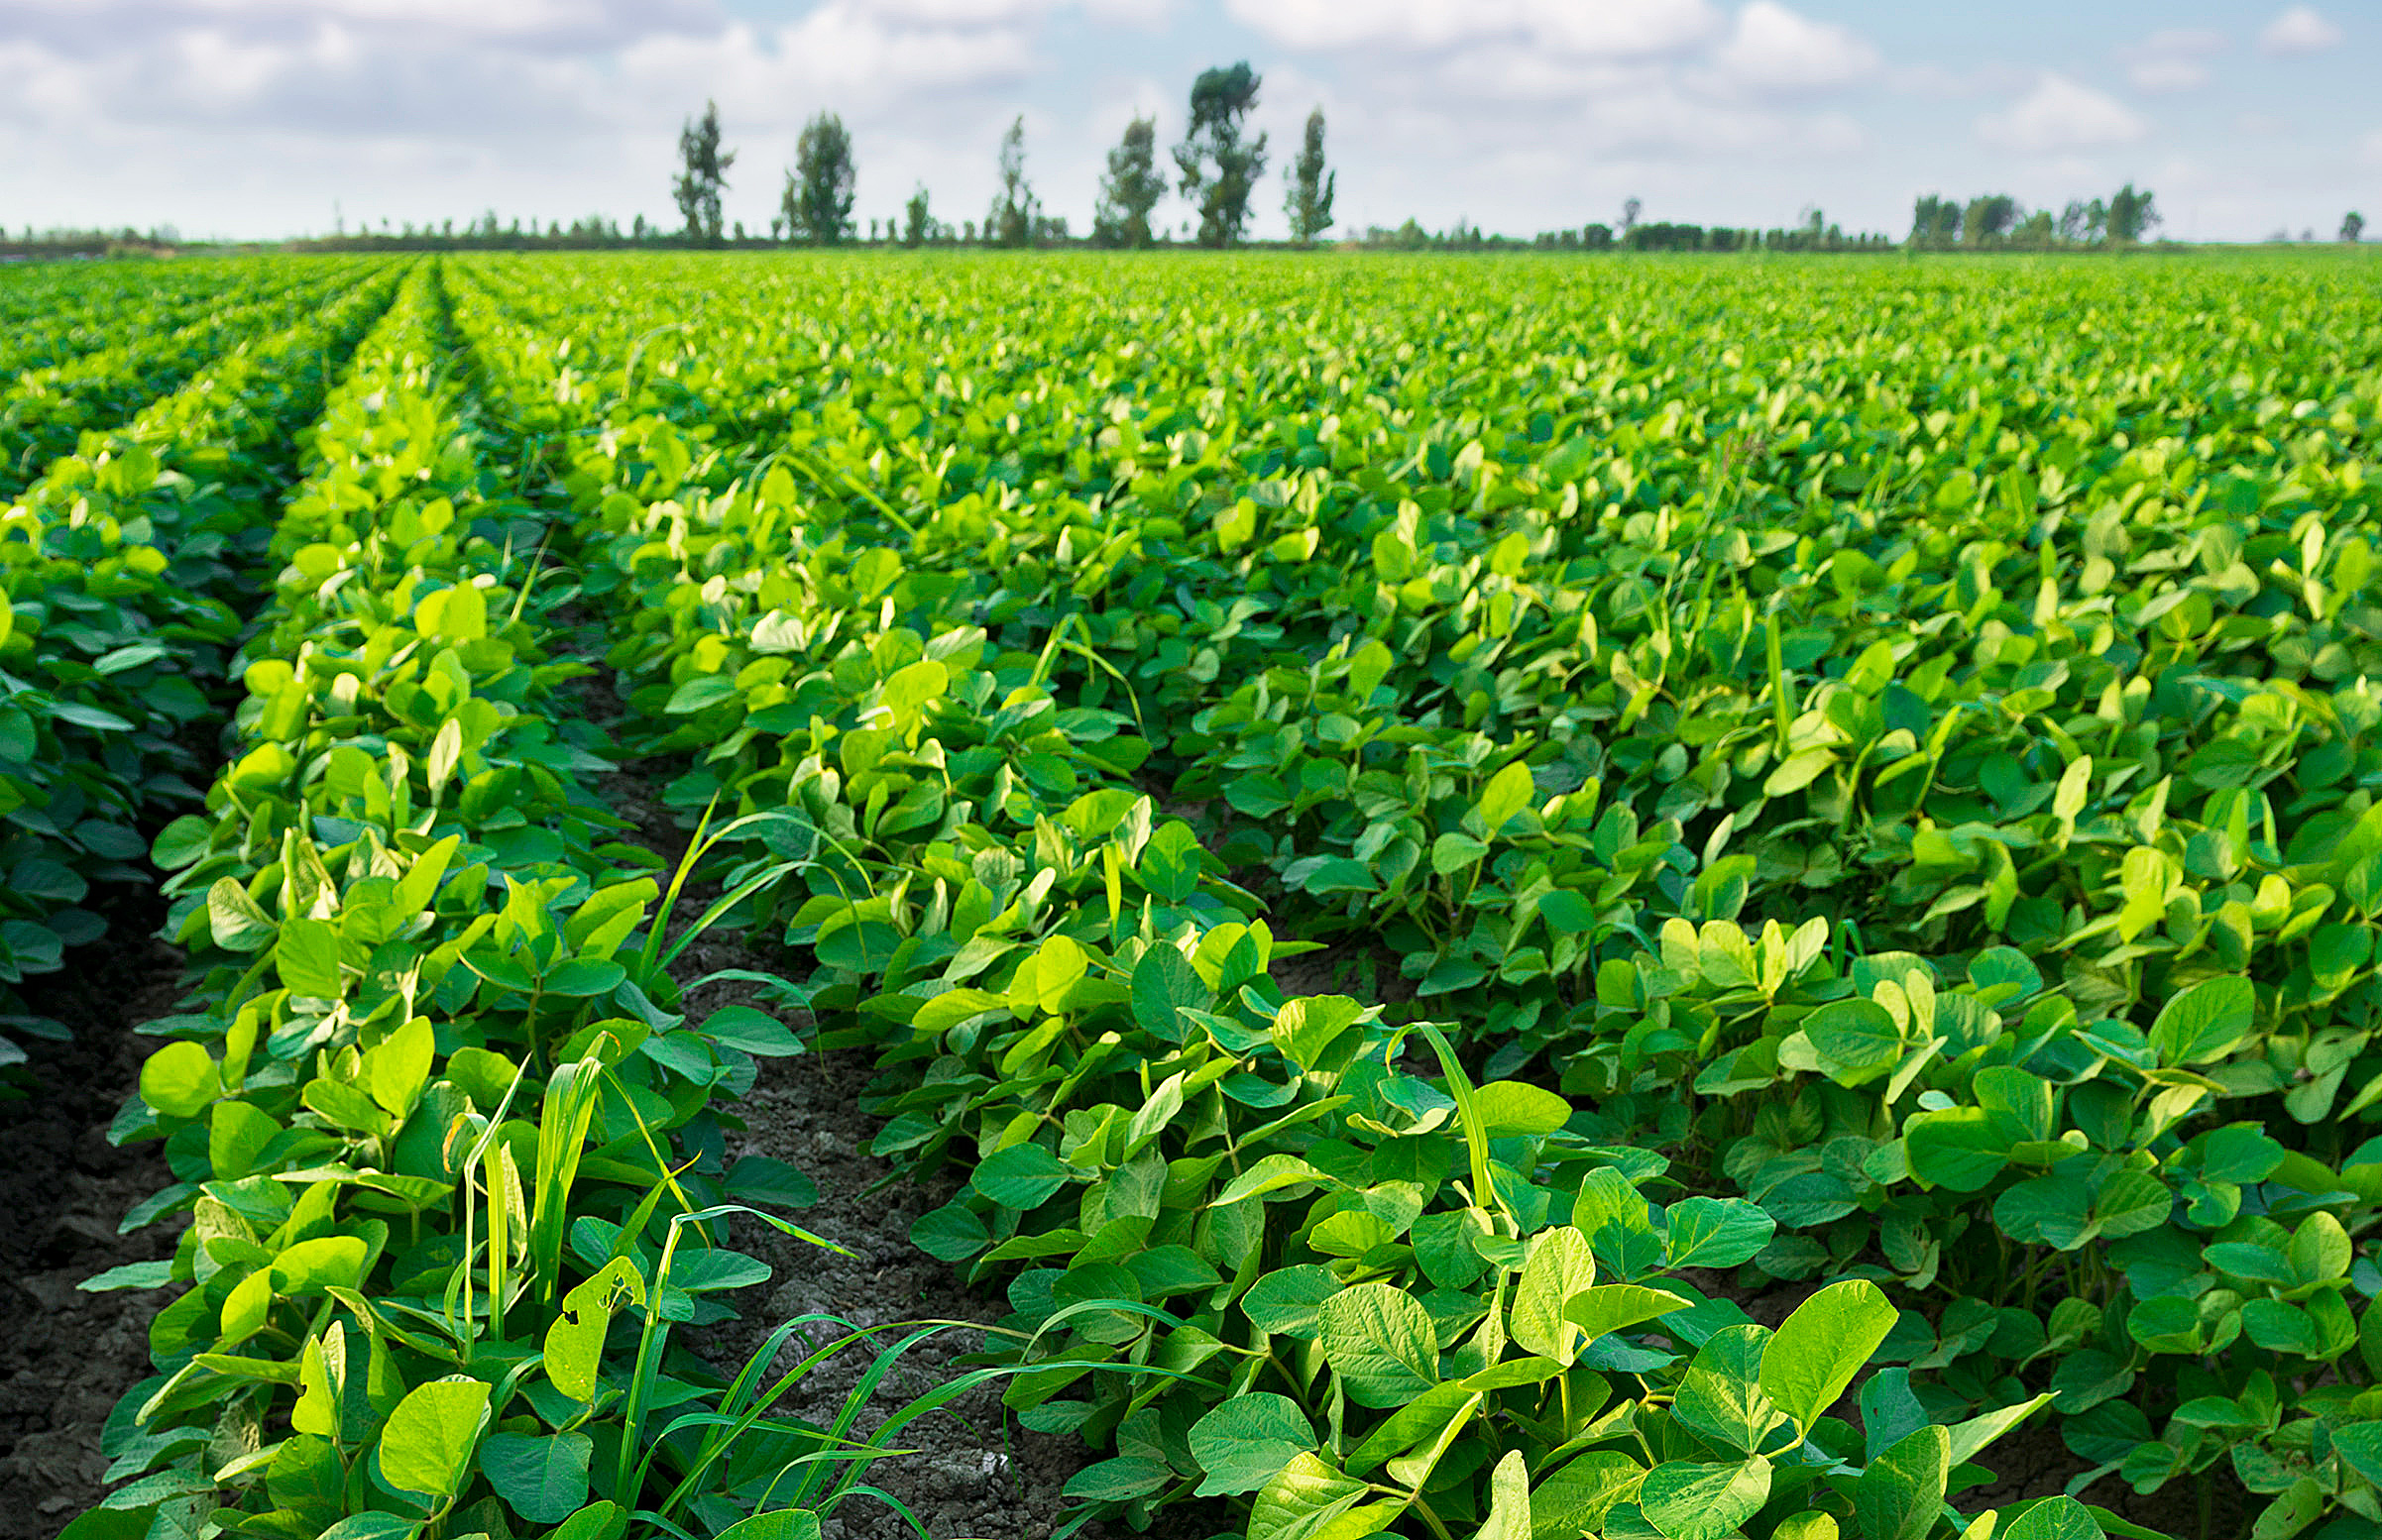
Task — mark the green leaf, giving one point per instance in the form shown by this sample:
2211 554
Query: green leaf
1721 1393
1901 1493
1715 1232
306 1475
584 978
1453 852
1687 1500
2205 1021
1560 1267
1165 984
430 1434
1380 1342
1309 1501
372 1526
446 751
90 716
1509 1501
2076 783
1817 1349
700 692
1325 874
543 1479
737 1025
458 614
958 1007
1423 1421
772 1183
1567 912
1969 1438
320 1264
573 1344
1858 1035
1314 1032
1022 1177
1507 794
1575 1500
2359 1445
2053 1518
182 843
1613 1307
1570 460
307 958
1510 1108
233 919
179 1081
953 1233
1244 1443
595 1521
130 1274
1289 1301
1962 1148
779 1524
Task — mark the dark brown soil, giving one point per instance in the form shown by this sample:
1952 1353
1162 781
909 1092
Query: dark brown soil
970 1473
66 1355
2032 1462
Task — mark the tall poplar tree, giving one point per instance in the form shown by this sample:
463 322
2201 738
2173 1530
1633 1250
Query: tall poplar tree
819 188
703 175
1219 167
1010 220
1131 189
1311 186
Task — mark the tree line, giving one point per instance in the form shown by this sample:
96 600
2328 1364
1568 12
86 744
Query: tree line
1998 220
1218 168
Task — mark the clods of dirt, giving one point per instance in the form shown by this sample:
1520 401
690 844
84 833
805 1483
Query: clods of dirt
66 1356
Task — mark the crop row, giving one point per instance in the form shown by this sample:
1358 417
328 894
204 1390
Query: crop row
65 312
1878 804
155 345
125 566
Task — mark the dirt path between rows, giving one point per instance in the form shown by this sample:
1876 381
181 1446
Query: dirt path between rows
66 1355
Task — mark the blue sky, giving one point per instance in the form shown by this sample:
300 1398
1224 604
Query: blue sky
261 117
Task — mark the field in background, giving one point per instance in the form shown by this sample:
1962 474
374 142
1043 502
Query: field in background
1519 898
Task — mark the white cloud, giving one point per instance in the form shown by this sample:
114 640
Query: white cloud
2300 30
1937 82
1773 49
2061 114
1588 28
2173 59
2167 75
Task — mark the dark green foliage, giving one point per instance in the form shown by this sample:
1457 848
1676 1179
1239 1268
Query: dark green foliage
817 202
1012 219
1219 167
1131 189
1309 203
702 176
918 225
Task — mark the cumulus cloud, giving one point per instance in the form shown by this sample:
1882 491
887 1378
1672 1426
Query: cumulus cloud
2173 59
1611 28
2300 30
1459 85
2059 115
1773 49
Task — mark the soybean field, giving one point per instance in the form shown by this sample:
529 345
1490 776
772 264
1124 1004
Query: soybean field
1310 894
